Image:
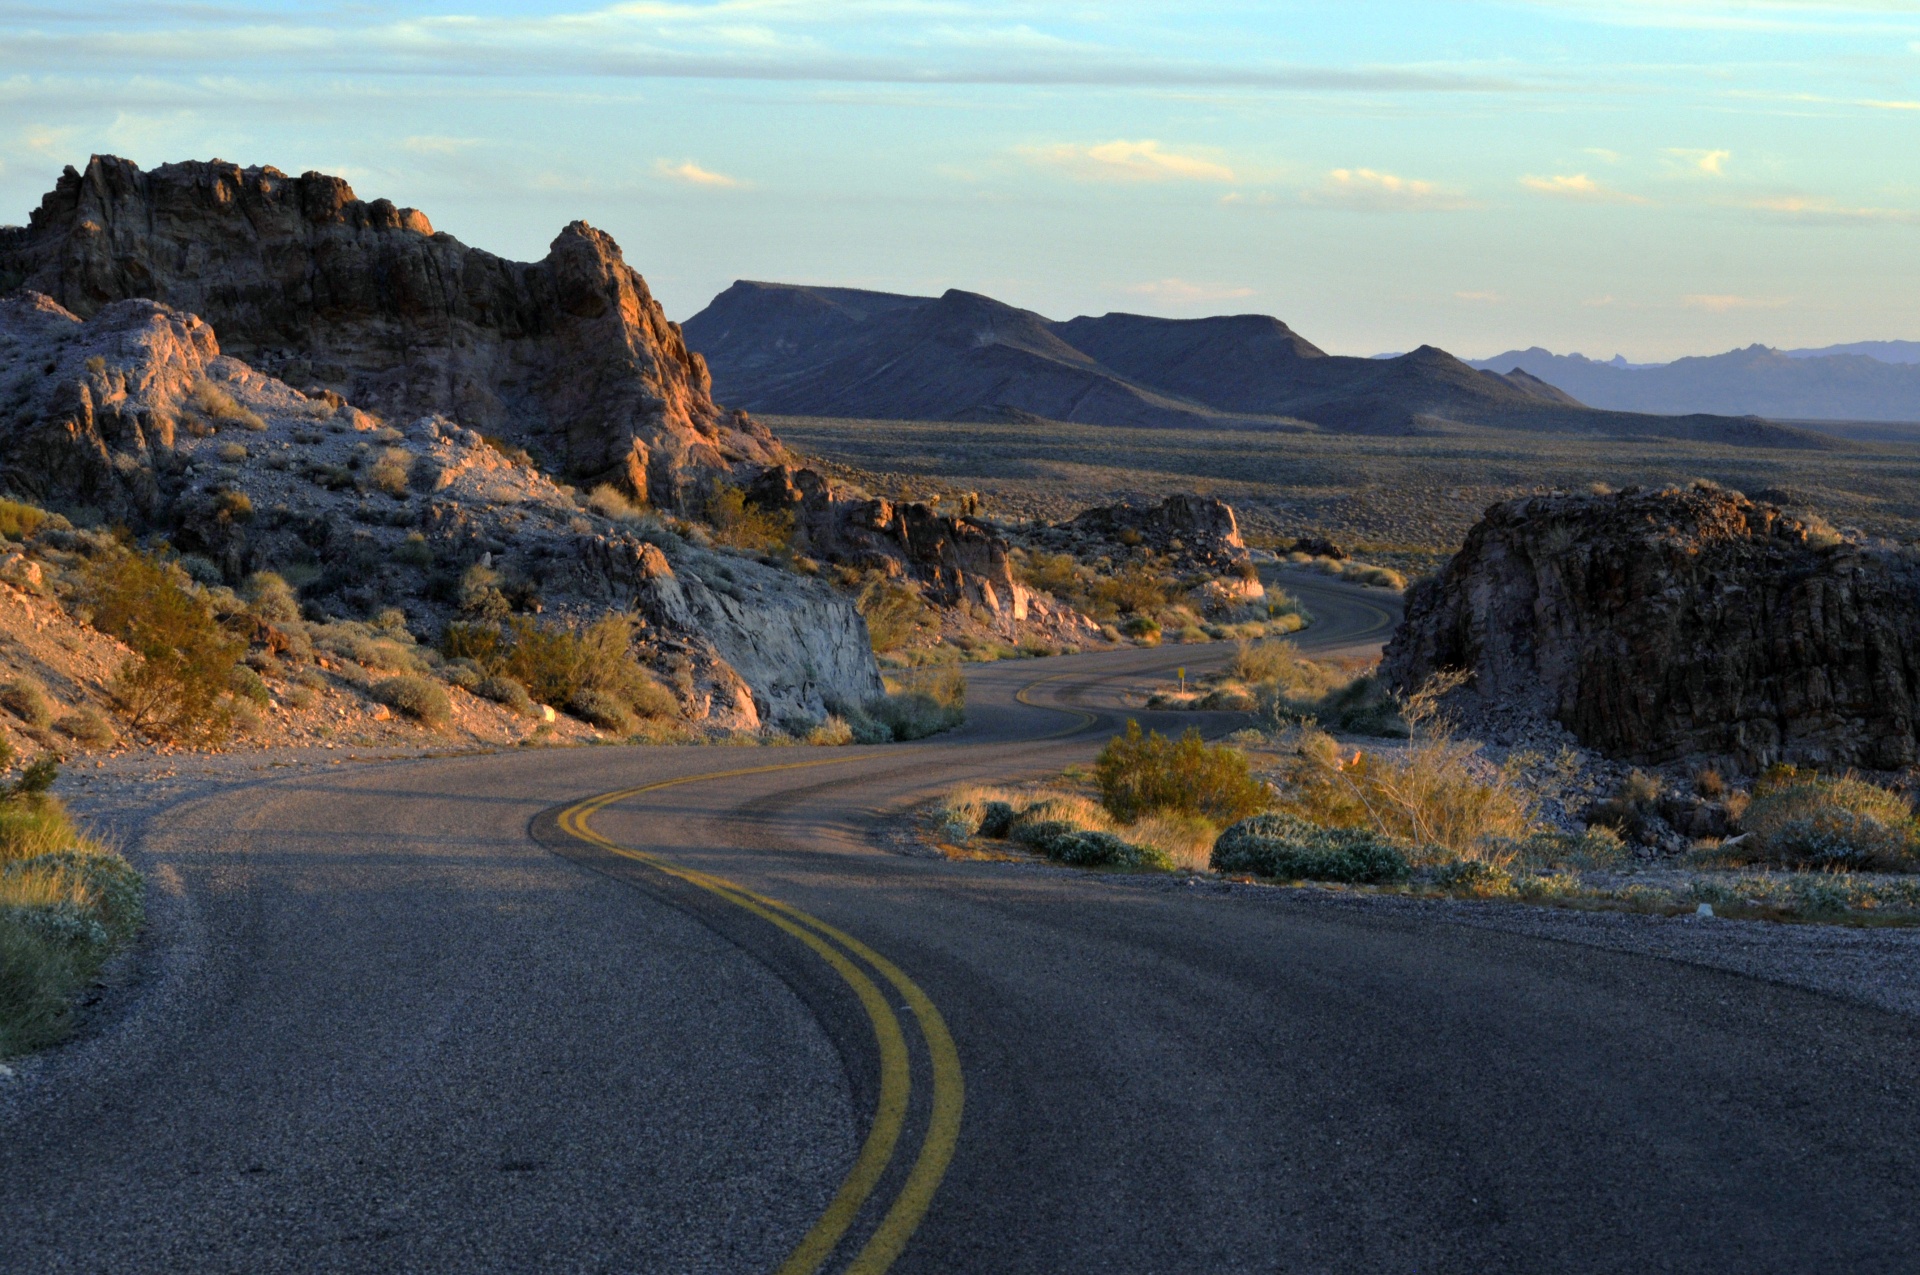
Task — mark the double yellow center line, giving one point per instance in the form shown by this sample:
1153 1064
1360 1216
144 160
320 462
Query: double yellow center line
856 964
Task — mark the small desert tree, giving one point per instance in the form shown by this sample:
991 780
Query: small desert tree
175 686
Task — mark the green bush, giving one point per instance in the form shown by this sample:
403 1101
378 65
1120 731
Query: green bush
1815 821
739 524
1065 842
175 687
462 673
996 819
1288 847
1139 775
37 979
248 685
270 597
420 698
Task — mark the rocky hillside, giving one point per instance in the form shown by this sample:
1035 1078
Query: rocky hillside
569 357
1663 624
135 416
961 356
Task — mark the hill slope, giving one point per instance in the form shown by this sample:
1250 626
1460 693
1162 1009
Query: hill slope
962 356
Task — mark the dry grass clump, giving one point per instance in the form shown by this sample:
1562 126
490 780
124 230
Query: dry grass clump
918 703
26 698
66 903
610 502
895 613
390 471
220 407
18 521
1433 795
88 727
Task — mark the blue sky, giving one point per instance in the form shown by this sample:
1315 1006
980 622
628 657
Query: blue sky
1640 177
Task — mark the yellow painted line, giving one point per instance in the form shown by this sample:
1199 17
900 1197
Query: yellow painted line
1086 719
903 1217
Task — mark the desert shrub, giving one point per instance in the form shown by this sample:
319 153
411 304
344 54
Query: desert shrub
175 686
270 597
26 698
420 698
740 524
507 691
1136 590
414 551
610 502
1435 793
65 904
219 406
479 594
1269 661
463 673
508 451
1104 850
1596 847
18 521
1140 774
983 809
365 645
1816 821
390 471
834 731
1475 877
247 685
895 613
1291 848
87 726
918 703
484 644
602 709
1054 573
233 453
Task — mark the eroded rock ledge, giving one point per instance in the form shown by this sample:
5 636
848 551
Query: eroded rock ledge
1661 625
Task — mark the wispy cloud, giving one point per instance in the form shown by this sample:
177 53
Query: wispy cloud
1125 161
1816 211
1484 298
1186 292
1711 163
430 145
1722 303
1746 15
693 175
1579 186
1370 190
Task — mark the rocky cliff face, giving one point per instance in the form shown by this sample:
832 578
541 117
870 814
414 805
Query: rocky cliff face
1658 625
569 356
137 413
1197 532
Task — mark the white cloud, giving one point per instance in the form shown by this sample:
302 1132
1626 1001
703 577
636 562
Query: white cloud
1721 303
1816 211
693 175
1185 292
1604 155
1142 161
430 145
1579 186
1486 298
1374 191
1709 163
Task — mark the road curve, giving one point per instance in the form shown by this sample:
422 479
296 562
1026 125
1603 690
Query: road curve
673 1010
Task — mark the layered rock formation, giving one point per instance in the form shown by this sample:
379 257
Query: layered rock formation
569 356
1197 532
1659 625
956 559
137 413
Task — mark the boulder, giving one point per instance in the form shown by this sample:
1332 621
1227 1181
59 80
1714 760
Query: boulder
1662 625
1198 532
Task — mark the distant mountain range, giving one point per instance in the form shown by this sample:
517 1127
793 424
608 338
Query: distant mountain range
1864 381
805 351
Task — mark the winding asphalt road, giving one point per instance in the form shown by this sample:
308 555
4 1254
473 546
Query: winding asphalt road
675 1010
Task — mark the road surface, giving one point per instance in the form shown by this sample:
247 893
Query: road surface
675 1010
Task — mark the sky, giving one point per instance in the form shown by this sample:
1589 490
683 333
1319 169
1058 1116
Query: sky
1640 177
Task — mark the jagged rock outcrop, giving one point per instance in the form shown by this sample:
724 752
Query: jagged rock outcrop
142 418
1660 625
957 559
1198 532
569 356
